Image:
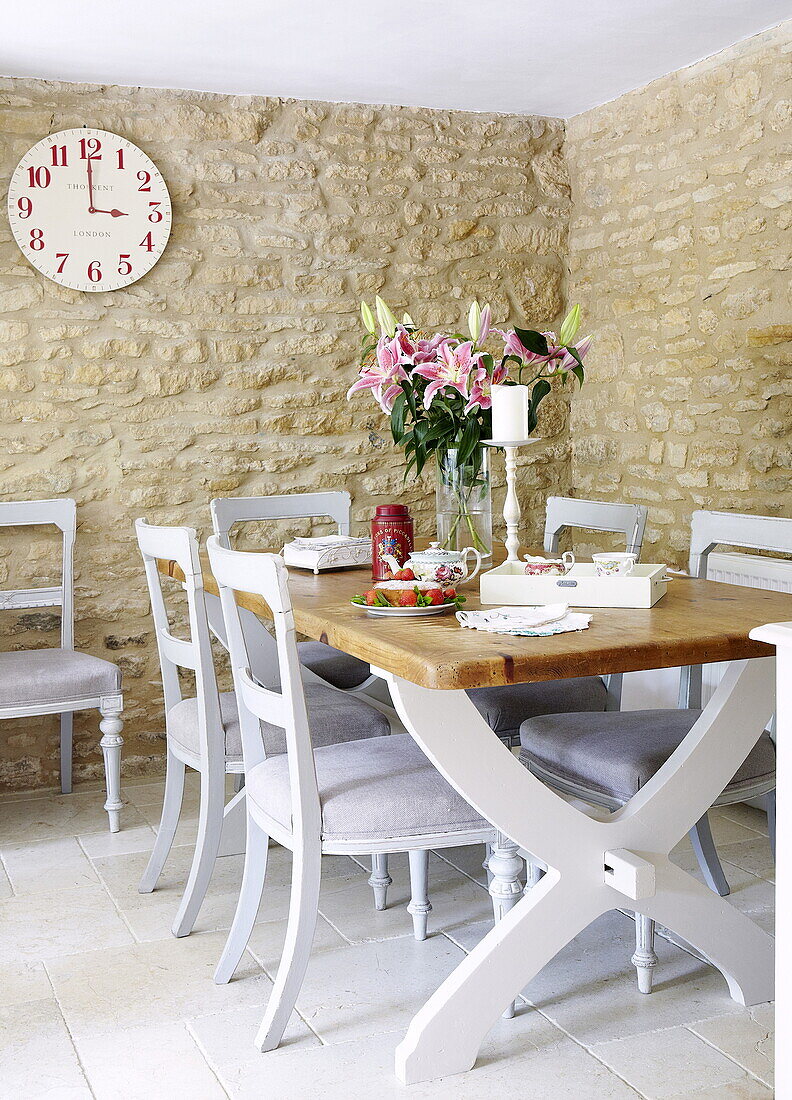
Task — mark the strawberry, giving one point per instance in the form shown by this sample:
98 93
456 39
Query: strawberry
370 597
450 593
408 598
407 575
435 596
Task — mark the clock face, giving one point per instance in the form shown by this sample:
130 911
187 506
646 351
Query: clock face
89 209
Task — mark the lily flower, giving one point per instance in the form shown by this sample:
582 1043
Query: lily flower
568 361
426 350
386 319
486 321
382 376
452 368
368 319
481 386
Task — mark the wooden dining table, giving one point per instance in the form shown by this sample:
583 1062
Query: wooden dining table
594 864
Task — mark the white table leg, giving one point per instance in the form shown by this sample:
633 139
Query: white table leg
579 853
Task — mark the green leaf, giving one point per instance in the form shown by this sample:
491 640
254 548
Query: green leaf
397 417
578 373
358 599
380 600
532 341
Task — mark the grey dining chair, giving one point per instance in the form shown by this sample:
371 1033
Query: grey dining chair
605 759
336 668
505 708
378 794
61 680
202 731
324 662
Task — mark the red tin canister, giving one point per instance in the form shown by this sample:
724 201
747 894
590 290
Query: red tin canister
391 533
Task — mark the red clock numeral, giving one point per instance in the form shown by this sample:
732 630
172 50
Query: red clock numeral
39 177
124 266
120 155
147 243
155 215
25 207
37 239
63 257
145 180
94 271
89 149
58 156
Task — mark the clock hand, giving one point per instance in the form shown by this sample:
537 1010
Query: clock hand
90 188
114 212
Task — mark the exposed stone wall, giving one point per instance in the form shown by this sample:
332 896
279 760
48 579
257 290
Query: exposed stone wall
224 370
680 257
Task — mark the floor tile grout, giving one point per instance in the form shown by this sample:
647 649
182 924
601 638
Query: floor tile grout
83 1070
690 1026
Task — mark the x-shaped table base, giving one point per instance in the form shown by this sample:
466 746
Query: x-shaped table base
593 866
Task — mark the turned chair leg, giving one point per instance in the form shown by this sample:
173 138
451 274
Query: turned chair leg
420 907
534 873
707 856
169 819
770 808
380 880
506 889
66 740
485 863
111 726
644 960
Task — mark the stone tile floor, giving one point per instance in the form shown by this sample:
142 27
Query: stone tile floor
98 1000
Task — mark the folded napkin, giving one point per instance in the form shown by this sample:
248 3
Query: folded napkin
325 542
528 622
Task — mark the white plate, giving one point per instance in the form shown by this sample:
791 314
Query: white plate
395 612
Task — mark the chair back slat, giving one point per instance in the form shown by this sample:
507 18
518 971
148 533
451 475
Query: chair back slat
228 511
177 650
266 576
711 529
180 544
60 513
595 515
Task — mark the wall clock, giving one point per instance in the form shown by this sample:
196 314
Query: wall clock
89 209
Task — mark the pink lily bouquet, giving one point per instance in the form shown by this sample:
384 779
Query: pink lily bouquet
437 389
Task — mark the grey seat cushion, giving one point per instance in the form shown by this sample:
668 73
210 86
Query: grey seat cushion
332 717
339 669
504 709
381 788
54 675
615 754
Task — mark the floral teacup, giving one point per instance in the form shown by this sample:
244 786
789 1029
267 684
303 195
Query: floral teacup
614 565
549 567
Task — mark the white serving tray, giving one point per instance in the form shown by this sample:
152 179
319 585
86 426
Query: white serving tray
334 554
581 587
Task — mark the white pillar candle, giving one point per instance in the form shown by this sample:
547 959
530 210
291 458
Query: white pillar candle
510 413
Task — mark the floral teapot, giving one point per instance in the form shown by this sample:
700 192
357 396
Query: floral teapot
439 566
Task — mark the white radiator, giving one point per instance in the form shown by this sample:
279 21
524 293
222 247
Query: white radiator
659 687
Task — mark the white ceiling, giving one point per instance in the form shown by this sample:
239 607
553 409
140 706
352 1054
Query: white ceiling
550 57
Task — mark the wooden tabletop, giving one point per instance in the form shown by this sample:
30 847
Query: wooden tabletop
695 622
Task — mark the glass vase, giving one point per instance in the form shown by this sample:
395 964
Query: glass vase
464 502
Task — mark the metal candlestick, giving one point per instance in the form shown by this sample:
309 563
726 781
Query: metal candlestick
511 505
